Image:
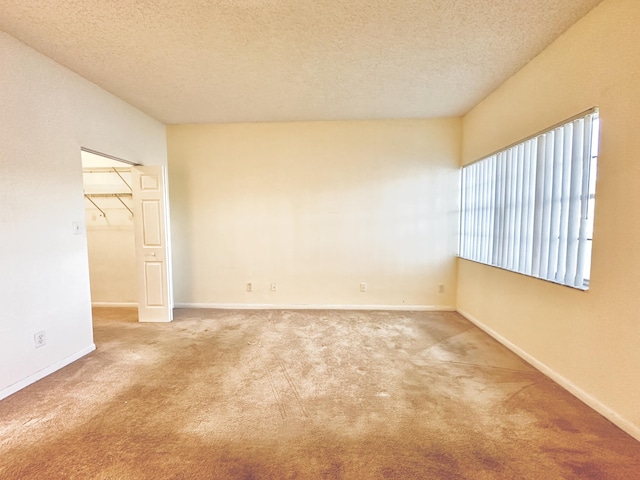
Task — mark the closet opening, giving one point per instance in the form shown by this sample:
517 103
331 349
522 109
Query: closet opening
110 225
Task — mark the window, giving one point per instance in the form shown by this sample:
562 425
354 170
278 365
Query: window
529 208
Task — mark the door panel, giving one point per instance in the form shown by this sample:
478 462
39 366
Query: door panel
154 288
154 303
152 223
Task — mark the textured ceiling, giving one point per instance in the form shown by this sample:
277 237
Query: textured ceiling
205 61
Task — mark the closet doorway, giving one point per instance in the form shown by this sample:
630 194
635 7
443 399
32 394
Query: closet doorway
110 226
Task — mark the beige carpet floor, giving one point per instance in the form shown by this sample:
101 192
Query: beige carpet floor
303 395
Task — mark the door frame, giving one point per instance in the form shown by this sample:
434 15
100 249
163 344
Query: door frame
167 239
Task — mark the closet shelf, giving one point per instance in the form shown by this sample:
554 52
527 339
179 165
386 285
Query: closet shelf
97 195
89 196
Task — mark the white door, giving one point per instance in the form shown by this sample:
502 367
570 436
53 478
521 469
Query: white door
150 218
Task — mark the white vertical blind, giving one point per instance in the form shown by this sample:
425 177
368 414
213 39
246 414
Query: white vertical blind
512 208
564 213
531 172
517 227
546 205
529 208
584 202
574 204
537 208
556 197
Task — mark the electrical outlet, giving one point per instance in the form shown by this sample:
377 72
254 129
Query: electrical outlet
249 287
363 287
441 288
39 339
274 287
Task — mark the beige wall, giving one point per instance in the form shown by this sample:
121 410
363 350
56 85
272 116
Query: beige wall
589 341
48 113
317 208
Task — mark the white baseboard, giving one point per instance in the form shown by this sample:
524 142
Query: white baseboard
11 389
115 304
610 414
270 306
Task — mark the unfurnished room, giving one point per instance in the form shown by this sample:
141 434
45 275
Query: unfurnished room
264 239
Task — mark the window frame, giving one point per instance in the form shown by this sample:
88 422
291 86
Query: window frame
529 207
